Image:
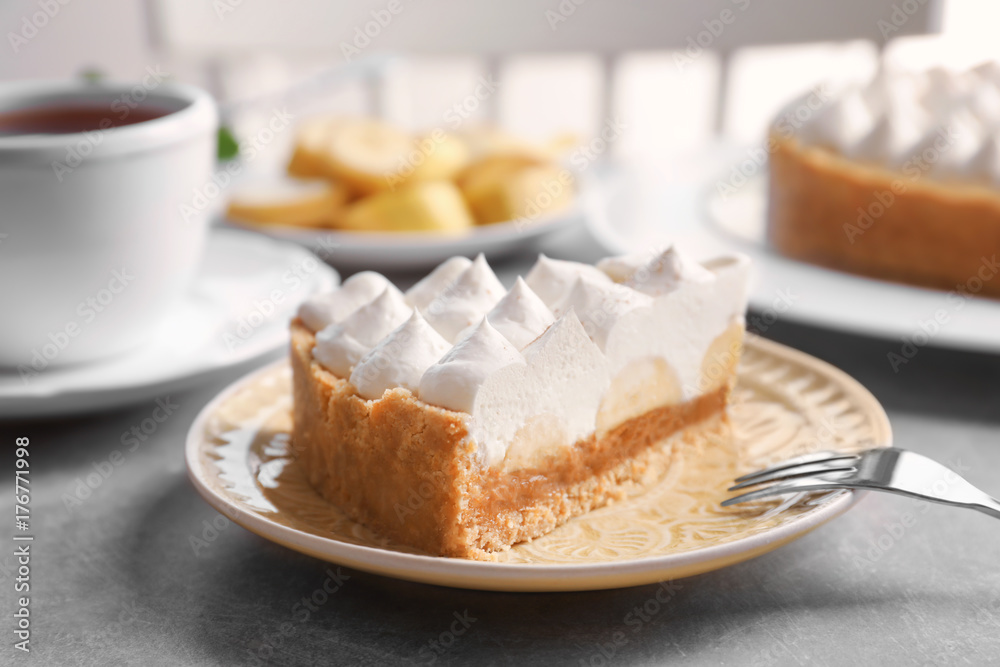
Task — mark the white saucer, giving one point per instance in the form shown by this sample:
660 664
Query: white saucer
238 279
634 215
406 251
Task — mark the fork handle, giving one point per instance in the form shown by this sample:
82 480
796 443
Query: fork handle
990 507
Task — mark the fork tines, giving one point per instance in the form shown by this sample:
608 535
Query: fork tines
798 474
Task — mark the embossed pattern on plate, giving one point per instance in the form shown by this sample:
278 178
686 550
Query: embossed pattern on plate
785 403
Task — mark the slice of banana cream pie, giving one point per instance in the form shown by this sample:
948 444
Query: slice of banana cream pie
461 418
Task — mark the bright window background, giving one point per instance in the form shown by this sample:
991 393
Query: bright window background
667 107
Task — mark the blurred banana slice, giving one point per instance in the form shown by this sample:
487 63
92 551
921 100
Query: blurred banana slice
561 144
502 191
309 155
442 157
486 141
368 155
488 172
428 206
372 176
288 201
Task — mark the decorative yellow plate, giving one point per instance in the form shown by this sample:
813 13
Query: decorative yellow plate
785 403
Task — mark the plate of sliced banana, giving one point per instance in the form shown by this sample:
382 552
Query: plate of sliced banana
359 191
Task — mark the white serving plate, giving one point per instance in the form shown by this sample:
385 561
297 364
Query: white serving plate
412 251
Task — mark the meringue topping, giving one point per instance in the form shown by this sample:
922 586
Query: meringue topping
599 304
465 300
985 105
843 121
945 90
520 316
599 332
400 359
621 267
936 123
321 311
892 136
421 294
340 346
552 279
953 145
454 381
988 71
565 377
984 165
667 272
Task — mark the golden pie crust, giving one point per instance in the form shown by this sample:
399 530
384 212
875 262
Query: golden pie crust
826 209
409 470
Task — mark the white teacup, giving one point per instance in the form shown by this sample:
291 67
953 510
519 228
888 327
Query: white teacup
99 234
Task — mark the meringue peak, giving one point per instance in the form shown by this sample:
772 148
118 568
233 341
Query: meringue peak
340 346
668 271
319 312
454 381
598 305
422 293
521 316
465 300
400 359
552 279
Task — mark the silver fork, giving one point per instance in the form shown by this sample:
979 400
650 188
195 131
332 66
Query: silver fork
881 469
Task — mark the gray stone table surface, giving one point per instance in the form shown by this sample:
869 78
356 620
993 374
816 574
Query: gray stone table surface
118 578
